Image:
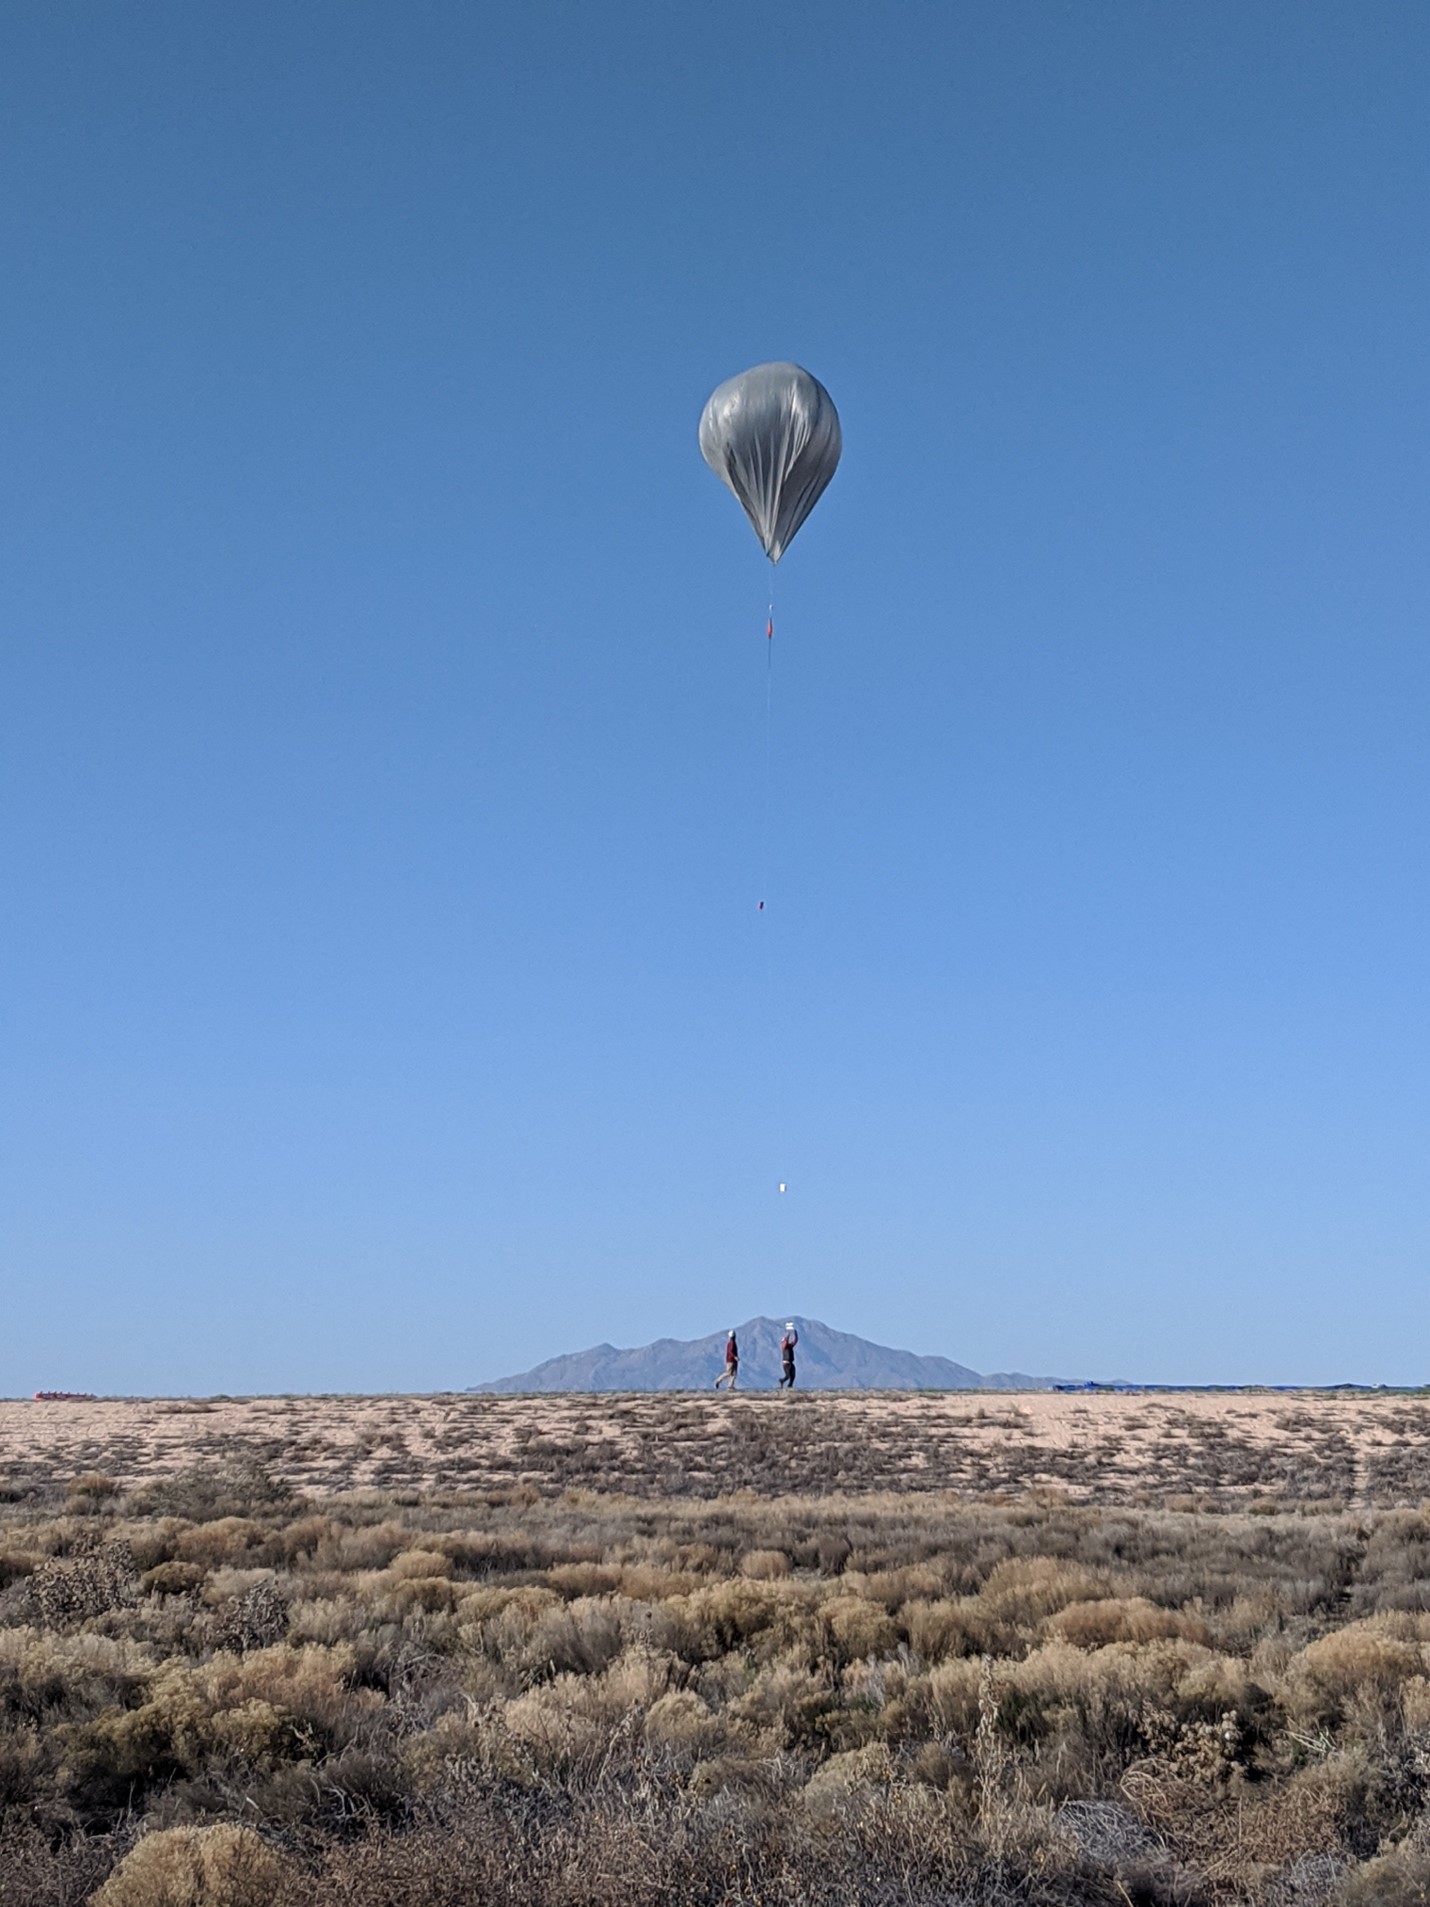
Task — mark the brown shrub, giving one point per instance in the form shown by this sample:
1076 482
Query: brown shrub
730 1614
411 1564
948 1627
89 1492
585 1579
306 1535
196 1867
1026 1590
205 1492
793 1701
573 1717
680 1722
372 1546
858 1628
1397 1879
172 1579
1092 1625
225 1539
311 1684
17 1563
153 1540
764 1565
891 1587
833 1784
1364 1659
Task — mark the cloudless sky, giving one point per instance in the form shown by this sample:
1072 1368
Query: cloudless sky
385 1003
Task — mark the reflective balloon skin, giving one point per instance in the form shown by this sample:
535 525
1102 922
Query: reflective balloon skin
772 434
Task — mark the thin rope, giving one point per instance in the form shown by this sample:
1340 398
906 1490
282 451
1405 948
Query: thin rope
767 805
773 1069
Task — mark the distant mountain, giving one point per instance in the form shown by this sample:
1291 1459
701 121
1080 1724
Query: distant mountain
827 1360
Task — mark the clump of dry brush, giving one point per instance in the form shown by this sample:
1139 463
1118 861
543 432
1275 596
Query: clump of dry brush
218 1695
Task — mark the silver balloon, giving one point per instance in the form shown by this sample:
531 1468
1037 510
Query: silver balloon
772 434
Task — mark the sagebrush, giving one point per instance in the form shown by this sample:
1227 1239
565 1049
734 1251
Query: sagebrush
212 1684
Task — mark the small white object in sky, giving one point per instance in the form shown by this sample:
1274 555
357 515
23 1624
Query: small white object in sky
782 1185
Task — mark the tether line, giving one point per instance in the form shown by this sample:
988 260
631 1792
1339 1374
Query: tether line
767 806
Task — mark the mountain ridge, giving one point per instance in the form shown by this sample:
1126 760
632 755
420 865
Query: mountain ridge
826 1360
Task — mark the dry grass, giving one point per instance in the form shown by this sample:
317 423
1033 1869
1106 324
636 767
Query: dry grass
1216 1450
213 1680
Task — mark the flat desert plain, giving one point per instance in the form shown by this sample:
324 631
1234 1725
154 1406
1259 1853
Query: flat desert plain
1203 1449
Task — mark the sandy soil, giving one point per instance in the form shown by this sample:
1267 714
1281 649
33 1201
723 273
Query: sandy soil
1138 1449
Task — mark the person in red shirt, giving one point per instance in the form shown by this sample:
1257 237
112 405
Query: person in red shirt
787 1344
732 1362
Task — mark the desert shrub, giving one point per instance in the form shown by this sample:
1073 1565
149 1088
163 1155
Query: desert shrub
570 1697
498 1623
1018 1595
1092 1625
46 1678
328 1619
16 1564
72 1589
1414 1697
833 1784
793 1702
764 1565
1398 1879
111 1763
152 1540
578 1638
891 1587
307 1535
234 1715
369 1546
24 1762
731 1614
1025 1590
948 1627
413 1582
219 1866
411 1565
40 1869
571 1720
220 1540
312 1685
207 1492
585 1579
948 1697
857 1628
1363 1661
172 1579
1394 1569
641 1582
253 1619
1117 1701
90 1492
686 1727
1312 1811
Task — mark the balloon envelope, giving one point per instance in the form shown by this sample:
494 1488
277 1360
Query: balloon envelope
772 434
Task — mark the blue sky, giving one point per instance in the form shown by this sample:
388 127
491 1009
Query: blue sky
384 1000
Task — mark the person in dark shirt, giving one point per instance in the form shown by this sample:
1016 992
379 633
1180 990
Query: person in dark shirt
732 1362
787 1344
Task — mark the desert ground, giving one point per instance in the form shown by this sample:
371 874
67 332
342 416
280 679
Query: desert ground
937 1650
1217 1448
